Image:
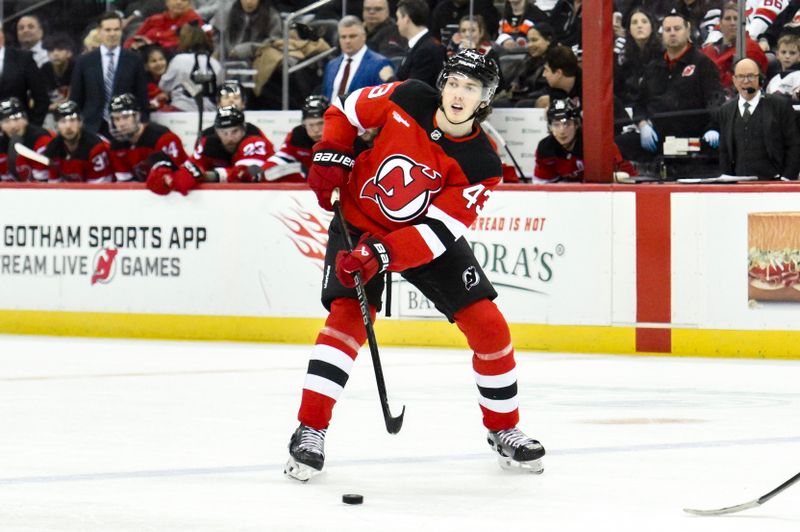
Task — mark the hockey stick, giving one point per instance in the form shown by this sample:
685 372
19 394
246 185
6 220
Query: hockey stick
393 424
499 138
28 153
744 506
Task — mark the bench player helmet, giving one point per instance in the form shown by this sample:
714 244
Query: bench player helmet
315 106
12 108
472 64
68 109
228 116
563 110
122 105
231 93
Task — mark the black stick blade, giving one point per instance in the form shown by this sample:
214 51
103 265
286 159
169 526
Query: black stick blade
394 424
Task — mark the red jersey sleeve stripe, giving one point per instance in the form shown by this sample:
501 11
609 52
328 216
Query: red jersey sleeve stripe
348 108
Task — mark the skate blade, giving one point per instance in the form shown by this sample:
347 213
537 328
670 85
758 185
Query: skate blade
534 467
297 471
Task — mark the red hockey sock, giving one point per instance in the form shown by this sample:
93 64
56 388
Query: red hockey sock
493 361
331 361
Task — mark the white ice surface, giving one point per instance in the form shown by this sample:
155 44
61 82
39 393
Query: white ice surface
117 436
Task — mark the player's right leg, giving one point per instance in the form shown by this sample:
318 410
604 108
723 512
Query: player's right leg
329 366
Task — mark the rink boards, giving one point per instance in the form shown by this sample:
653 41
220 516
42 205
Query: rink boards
648 269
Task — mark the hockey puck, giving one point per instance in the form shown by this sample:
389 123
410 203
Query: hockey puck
352 498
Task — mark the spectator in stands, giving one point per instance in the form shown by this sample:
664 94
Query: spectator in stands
473 34
787 23
723 50
250 23
677 94
563 76
29 35
446 17
787 81
163 28
559 156
101 74
192 75
92 40
296 148
525 80
759 135
518 17
57 72
425 57
358 66
640 46
703 17
15 129
77 156
139 149
232 151
659 8
382 33
21 78
565 18
155 65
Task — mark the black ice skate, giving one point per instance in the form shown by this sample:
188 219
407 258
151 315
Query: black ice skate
306 453
516 450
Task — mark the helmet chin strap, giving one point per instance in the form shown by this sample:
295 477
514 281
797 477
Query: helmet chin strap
470 117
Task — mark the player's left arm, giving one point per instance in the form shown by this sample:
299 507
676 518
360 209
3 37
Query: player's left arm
447 219
250 156
171 145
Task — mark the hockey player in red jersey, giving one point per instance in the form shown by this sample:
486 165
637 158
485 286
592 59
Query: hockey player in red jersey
296 148
231 151
559 156
16 129
76 155
410 200
139 150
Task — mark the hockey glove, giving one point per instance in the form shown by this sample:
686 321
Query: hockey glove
239 174
183 180
648 138
159 180
330 168
369 258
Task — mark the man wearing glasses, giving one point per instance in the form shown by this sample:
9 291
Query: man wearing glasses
382 33
757 134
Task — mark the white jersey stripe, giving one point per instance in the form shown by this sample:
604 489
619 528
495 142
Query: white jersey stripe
323 386
454 226
332 356
503 406
349 109
431 240
496 381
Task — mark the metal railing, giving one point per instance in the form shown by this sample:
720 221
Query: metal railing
290 70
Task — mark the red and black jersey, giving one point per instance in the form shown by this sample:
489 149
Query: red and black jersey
296 148
555 163
210 153
417 188
90 162
133 161
23 169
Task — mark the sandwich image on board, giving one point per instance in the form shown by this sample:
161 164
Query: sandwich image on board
773 241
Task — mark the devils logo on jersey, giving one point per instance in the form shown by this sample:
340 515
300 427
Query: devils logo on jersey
402 187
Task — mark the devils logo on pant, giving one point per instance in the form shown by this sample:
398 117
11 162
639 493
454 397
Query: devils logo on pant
402 187
471 277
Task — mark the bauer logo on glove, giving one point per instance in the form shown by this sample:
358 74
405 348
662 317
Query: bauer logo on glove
328 158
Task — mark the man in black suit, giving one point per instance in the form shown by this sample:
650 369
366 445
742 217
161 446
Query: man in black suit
757 134
106 72
426 56
20 78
